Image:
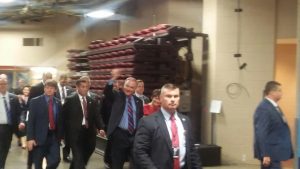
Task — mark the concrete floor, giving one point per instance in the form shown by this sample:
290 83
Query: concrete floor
17 160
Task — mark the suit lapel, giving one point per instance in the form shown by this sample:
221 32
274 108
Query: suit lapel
78 103
183 121
276 113
136 101
161 122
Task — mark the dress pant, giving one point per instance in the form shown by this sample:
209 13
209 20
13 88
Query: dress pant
273 165
107 153
66 151
82 149
121 148
5 142
50 150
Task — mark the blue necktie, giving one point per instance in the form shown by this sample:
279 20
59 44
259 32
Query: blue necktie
7 111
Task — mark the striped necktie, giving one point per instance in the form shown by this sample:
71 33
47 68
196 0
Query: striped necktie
85 111
130 115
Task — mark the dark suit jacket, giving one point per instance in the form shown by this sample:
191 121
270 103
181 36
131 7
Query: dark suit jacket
36 90
153 146
118 98
38 120
272 134
73 116
69 90
15 110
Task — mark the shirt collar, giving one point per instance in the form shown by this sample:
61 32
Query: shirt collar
48 97
166 114
5 95
138 95
80 96
272 102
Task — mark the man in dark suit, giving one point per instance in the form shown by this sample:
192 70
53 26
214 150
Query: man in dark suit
164 139
106 111
81 118
63 90
271 131
126 111
38 89
9 119
45 127
139 91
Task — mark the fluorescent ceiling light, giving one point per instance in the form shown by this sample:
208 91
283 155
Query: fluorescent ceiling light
100 14
6 1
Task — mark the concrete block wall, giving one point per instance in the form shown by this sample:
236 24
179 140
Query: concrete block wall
239 90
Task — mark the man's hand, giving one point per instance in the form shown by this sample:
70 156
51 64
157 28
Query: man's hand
21 126
266 161
102 133
30 144
115 74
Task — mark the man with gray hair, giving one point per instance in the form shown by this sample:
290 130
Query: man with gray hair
126 111
38 89
9 118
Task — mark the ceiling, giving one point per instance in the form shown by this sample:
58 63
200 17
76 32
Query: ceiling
38 10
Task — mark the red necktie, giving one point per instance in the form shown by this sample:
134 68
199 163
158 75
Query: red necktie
130 116
85 112
175 143
51 114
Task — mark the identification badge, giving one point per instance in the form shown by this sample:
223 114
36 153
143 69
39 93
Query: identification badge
175 152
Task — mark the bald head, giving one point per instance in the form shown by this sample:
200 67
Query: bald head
3 85
3 76
130 85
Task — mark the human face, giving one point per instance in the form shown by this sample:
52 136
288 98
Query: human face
21 83
47 76
140 88
83 88
49 90
156 101
276 94
129 87
170 99
63 81
25 91
3 86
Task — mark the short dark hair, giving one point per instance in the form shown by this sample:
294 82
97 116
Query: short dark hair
28 86
169 86
63 76
155 93
81 80
271 86
51 83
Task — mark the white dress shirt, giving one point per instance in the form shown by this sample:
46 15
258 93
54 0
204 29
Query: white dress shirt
3 115
62 89
82 107
181 135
